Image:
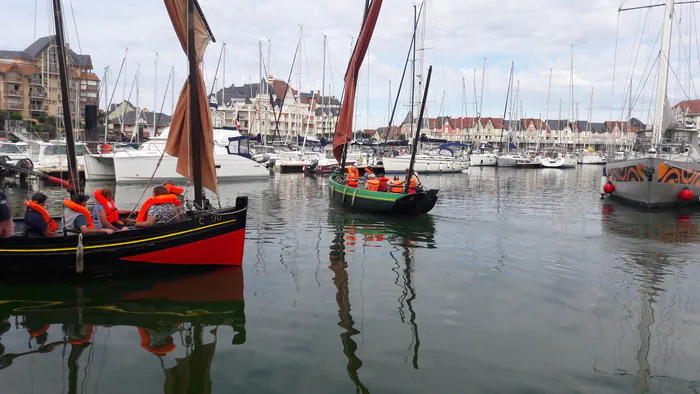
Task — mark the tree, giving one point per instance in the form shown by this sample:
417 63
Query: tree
16 116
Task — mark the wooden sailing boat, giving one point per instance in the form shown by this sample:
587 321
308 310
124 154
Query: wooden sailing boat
206 238
422 201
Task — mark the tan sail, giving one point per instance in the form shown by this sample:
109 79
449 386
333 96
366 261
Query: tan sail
178 144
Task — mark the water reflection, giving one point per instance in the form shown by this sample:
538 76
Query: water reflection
177 320
353 231
655 238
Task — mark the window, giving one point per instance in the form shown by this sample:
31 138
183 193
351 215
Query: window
9 148
92 83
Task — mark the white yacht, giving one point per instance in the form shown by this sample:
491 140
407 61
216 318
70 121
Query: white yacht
558 158
484 157
51 157
425 164
511 160
231 156
586 157
13 152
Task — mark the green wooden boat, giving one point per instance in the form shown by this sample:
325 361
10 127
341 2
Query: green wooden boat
362 200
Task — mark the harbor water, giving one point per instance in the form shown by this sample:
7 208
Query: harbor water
519 281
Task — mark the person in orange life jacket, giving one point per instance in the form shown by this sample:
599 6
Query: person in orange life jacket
383 183
37 220
162 208
105 213
172 189
353 176
372 183
414 183
155 343
396 186
7 225
77 217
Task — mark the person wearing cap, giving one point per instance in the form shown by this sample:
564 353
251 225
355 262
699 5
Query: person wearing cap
372 183
77 217
37 220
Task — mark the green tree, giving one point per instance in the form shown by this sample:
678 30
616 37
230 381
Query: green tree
16 116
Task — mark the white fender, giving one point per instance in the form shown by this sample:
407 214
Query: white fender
603 182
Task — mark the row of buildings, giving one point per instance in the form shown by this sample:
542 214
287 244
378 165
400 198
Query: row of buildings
275 110
29 81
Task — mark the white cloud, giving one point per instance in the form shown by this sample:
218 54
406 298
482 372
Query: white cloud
535 34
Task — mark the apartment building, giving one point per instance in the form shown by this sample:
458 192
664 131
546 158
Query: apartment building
29 81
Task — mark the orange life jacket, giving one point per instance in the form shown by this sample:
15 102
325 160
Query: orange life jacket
160 350
413 183
172 189
353 176
52 226
383 187
397 186
156 200
80 209
368 170
373 185
109 206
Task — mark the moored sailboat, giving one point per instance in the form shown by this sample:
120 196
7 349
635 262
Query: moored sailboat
206 238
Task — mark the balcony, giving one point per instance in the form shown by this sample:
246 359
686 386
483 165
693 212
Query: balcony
38 108
14 106
36 81
13 79
37 94
13 92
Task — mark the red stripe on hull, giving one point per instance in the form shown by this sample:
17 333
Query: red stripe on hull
226 249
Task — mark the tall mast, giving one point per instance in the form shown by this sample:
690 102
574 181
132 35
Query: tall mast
421 50
172 89
481 99
195 126
505 110
574 115
662 79
121 129
388 114
65 102
260 87
223 82
590 117
155 97
106 85
138 109
323 90
298 109
414 148
413 68
549 96
464 105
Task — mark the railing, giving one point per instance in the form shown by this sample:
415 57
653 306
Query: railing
34 93
36 81
36 107
13 79
13 92
13 106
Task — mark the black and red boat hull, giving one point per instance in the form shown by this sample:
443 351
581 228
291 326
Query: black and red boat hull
202 241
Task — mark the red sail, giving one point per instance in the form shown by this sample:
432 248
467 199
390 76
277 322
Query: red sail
343 132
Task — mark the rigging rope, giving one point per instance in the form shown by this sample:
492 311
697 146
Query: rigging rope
75 24
160 159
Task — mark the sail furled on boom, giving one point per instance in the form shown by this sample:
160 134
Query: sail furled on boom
343 131
178 144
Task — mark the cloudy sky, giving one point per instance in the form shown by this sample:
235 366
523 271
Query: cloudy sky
536 35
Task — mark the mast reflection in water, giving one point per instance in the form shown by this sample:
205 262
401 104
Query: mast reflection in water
178 321
352 231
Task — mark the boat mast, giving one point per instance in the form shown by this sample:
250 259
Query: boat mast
260 86
417 136
155 97
549 97
481 99
662 80
195 126
574 115
323 91
298 106
106 85
590 116
413 67
121 129
63 75
505 110
223 82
